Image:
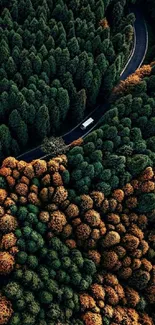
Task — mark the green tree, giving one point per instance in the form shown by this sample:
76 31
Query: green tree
18 127
99 12
63 102
102 63
11 67
80 105
118 42
16 54
87 80
52 64
34 25
137 163
39 39
146 202
17 40
73 47
36 64
4 105
42 122
26 68
14 10
7 19
117 13
4 51
5 141
109 79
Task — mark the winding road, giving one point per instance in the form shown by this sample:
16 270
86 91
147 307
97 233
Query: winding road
135 61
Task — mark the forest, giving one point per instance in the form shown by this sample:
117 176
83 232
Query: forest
54 55
77 229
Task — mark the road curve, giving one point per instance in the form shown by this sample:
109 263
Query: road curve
141 45
135 61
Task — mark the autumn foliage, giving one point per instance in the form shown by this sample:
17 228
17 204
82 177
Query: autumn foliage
126 86
106 236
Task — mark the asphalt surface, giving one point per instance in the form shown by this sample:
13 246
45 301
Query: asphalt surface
140 47
135 62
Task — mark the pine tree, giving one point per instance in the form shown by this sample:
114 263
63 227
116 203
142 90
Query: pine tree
39 39
34 25
42 122
63 102
5 141
26 69
43 51
52 64
18 127
54 114
17 41
37 64
109 79
16 55
4 51
73 47
79 105
50 43
117 13
4 105
102 63
7 19
87 80
99 10
14 10
11 67
15 149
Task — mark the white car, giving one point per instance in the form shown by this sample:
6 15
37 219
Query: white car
86 123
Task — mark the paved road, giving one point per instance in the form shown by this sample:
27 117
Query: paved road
140 46
135 62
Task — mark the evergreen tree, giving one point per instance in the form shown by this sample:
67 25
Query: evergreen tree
18 127
63 102
102 63
4 105
5 137
42 122
26 68
14 10
117 13
4 52
73 46
99 10
11 67
7 19
78 108
109 78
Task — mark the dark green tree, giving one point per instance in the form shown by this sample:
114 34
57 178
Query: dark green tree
4 51
18 127
42 123
63 102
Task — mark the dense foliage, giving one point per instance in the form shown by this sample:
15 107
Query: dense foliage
77 233
89 263
124 145
53 57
